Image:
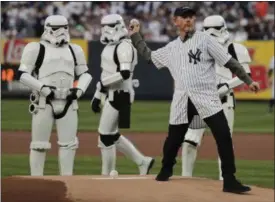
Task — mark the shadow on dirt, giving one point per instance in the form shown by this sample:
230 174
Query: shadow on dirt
16 189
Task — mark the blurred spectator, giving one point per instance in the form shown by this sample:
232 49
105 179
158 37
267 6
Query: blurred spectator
245 20
239 35
261 8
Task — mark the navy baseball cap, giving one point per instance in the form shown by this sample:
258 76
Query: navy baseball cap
184 12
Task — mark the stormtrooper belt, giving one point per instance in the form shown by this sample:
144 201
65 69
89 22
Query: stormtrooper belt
62 113
225 99
60 94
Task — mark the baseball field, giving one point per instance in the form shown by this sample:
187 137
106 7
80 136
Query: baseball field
253 143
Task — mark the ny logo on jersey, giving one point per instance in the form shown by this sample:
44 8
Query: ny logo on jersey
194 57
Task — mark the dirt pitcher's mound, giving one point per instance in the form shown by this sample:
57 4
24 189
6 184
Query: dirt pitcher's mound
122 189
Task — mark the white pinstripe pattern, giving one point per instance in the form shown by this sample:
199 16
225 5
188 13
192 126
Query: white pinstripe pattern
196 81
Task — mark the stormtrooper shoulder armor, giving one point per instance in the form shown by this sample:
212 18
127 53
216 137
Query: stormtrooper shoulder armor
29 57
28 60
125 53
241 53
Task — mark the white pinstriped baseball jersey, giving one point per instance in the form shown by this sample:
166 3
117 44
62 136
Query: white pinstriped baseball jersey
191 64
224 75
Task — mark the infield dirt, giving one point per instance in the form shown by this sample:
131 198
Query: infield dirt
132 188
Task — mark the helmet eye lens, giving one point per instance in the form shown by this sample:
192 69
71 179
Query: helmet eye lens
217 28
54 28
112 25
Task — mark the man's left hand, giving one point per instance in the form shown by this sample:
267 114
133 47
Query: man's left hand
254 87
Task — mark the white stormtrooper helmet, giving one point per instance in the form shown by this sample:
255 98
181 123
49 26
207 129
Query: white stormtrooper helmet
56 30
113 29
215 26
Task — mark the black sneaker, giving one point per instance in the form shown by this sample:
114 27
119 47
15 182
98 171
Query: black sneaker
164 175
234 186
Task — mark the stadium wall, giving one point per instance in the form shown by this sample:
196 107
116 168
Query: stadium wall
154 84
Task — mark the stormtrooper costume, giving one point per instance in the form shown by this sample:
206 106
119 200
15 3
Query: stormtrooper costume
49 68
118 60
270 73
215 25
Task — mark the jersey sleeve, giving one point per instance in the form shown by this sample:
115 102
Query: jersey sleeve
81 64
215 50
29 56
160 57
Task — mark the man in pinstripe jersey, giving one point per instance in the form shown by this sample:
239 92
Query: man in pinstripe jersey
215 26
190 59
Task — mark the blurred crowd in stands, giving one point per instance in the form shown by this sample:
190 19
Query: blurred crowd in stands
245 20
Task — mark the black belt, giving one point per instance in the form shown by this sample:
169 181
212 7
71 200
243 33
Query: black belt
64 112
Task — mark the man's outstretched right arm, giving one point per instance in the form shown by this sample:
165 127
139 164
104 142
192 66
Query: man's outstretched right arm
159 57
141 46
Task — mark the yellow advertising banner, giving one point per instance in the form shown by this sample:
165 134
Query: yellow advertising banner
261 53
12 49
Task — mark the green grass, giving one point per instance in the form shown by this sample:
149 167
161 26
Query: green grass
251 117
260 173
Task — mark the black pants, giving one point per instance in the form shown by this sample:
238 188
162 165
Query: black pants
271 104
221 132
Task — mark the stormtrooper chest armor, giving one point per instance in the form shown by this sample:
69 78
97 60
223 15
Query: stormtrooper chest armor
58 67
